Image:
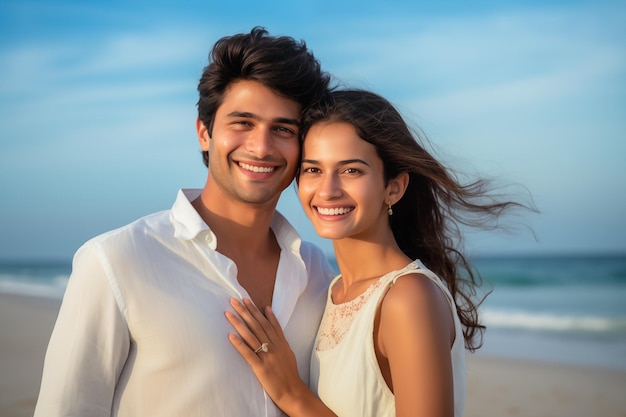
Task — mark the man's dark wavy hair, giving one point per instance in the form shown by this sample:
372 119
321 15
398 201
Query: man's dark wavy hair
278 62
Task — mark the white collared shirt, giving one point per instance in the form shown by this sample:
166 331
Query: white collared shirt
142 332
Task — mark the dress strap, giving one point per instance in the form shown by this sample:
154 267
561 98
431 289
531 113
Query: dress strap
417 267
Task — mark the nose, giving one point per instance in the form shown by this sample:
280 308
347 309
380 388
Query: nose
260 143
330 187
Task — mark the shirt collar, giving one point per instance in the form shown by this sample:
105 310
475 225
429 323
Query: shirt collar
186 220
291 277
188 224
286 235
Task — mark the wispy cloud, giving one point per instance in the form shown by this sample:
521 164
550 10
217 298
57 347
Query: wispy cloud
110 98
444 54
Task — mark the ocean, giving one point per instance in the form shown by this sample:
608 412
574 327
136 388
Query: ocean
563 309
567 309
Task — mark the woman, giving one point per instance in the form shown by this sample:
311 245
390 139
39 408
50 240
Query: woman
391 342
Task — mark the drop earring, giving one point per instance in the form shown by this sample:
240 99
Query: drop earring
389 210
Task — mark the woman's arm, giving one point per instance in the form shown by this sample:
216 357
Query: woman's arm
275 368
415 335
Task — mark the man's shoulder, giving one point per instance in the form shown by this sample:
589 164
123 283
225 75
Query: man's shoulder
148 225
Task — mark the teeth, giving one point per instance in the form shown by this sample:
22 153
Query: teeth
333 211
254 168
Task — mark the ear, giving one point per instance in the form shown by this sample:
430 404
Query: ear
396 188
203 135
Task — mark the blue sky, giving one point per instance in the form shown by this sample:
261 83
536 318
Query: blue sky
97 106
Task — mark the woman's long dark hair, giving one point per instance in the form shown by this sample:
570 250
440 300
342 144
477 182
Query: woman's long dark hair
427 220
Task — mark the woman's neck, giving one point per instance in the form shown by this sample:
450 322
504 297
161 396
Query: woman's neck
363 260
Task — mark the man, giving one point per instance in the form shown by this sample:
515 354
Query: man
141 331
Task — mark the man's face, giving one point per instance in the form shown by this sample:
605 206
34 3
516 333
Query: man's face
254 149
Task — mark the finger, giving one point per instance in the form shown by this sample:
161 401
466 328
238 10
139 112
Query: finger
273 321
252 317
245 334
253 310
259 317
243 349
245 308
246 313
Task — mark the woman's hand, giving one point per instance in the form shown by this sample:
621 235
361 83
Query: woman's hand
276 366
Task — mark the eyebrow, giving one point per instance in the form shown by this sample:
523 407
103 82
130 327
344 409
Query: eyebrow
248 115
344 162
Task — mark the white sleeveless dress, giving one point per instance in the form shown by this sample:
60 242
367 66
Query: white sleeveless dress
344 369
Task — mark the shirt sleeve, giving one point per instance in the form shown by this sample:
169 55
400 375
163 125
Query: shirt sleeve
89 344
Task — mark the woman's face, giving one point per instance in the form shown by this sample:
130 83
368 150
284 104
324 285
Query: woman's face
341 185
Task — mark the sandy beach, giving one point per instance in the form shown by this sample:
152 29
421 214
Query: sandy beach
496 387
517 388
25 327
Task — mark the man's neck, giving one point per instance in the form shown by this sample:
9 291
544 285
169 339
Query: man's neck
242 230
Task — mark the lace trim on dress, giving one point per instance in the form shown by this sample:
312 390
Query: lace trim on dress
339 317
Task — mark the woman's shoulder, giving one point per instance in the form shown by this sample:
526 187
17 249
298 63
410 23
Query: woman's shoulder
415 293
413 287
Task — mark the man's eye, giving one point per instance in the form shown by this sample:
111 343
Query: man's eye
286 130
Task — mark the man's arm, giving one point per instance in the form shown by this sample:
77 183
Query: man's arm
89 344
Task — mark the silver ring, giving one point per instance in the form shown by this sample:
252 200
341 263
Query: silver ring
262 348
